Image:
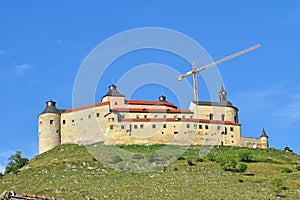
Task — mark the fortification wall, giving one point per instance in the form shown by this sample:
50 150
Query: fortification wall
252 142
84 126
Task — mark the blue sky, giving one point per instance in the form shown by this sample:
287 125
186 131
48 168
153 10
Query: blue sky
42 45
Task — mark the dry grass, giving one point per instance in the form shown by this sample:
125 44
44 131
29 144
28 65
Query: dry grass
70 172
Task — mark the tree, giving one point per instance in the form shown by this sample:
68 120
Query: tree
277 185
1 175
16 161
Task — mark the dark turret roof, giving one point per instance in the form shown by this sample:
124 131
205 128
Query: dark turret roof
51 108
263 134
113 92
222 89
222 104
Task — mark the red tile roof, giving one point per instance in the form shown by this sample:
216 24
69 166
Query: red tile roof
86 107
154 110
143 102
179 120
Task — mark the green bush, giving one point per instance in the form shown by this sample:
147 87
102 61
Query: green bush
276 185
210 157
16 162
286 170
245 156
227 163
298 167
199 160
1 175
242 167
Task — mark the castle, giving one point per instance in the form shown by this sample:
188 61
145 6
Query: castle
116 120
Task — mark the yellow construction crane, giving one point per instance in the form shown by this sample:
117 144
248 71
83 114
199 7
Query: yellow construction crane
195 70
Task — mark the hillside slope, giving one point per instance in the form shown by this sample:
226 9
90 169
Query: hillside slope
71 172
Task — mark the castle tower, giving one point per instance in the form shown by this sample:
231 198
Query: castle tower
49 127
162 98
264 140
115 98
223 94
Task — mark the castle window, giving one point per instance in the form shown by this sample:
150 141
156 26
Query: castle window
41 122
191 117
111 127
165 126
223 117
111 119
195 126
165 116
155 116
211 116
51 121
116 103
137 116
200 126
232 136
73 120
153 126
231 128
206 133
141 126
135 126
145 116
206 126
56 131
232 142
225 132
97 114
162 132
122 127
81 119
175 132
218 127
89 116
235 119
188 125
64 121
183 116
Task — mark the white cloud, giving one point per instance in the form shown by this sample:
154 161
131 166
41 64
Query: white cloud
280 105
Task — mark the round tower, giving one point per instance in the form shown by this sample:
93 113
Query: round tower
49 127
264 140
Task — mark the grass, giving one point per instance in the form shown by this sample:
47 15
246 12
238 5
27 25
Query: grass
71 172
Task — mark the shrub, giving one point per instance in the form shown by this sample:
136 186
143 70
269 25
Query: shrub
242 167
1 175
298 167
199 160
175 169
286 170
138 156
245 156
16 162
210 157
227 163
276 185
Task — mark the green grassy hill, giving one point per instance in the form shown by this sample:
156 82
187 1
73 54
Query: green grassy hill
71 172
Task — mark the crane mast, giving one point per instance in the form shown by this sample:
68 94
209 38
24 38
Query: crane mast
194 70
